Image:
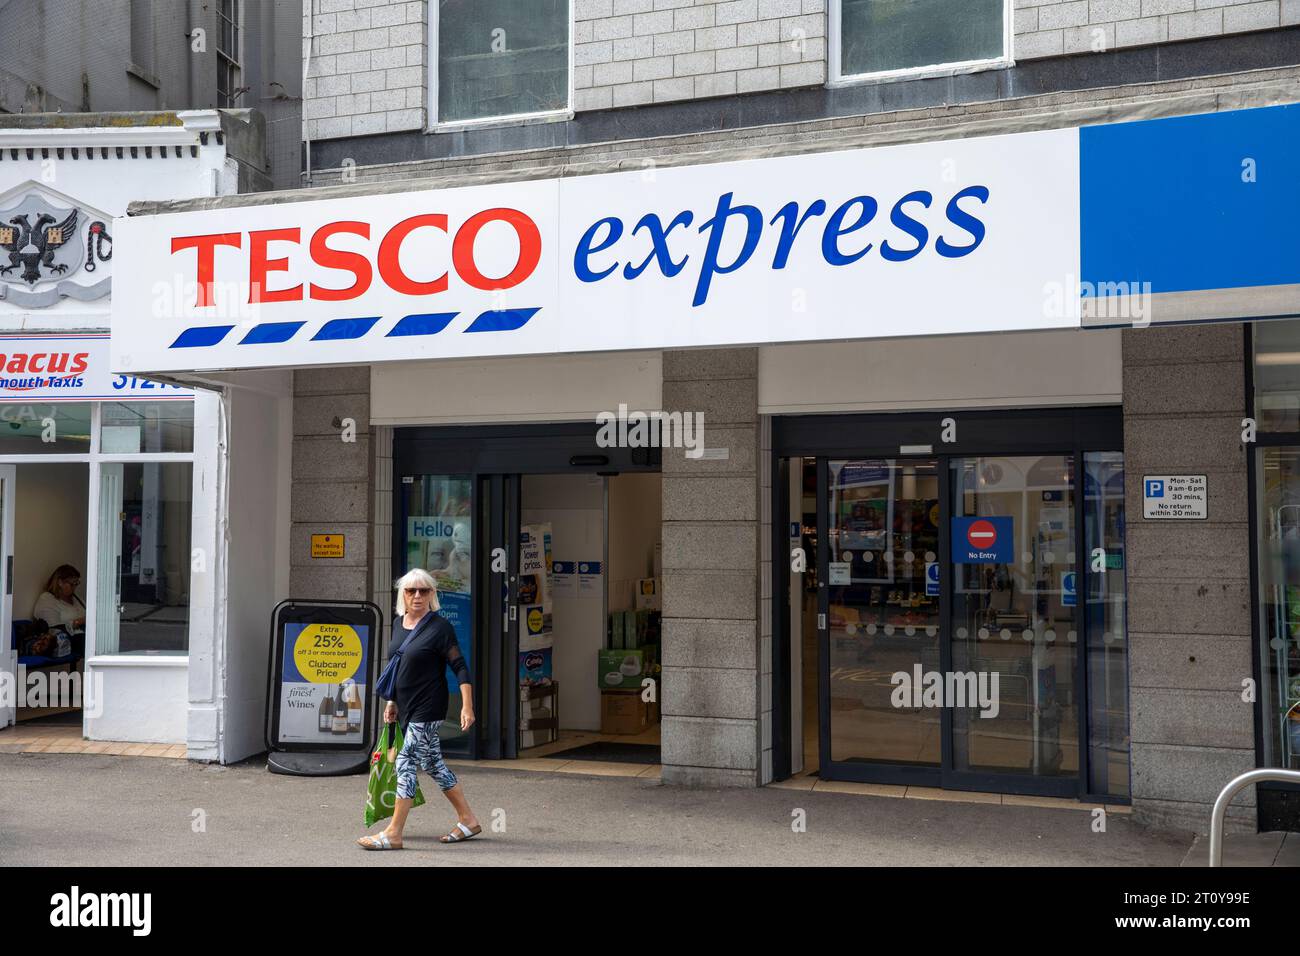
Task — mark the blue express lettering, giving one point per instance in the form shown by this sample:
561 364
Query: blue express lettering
840 244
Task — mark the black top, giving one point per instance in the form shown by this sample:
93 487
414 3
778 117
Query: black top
421 689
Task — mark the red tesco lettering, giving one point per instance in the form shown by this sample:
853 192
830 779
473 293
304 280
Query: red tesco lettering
263 263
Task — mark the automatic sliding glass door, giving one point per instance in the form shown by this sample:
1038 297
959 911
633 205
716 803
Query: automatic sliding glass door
880 565
1015 622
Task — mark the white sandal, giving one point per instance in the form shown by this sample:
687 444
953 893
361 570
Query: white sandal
379 841
464 834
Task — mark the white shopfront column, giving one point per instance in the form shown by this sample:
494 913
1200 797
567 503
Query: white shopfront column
8 656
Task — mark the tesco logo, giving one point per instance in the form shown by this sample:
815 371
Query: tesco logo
854 232
263 263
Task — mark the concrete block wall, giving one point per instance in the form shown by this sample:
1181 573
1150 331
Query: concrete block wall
370 59
710 645
1057 27
630 52
368 67
1189 597
332 483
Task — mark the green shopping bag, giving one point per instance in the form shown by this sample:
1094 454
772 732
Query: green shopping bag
383 776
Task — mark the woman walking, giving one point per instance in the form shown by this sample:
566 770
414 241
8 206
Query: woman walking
428 645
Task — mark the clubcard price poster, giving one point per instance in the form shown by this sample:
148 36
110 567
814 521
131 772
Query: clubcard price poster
322 690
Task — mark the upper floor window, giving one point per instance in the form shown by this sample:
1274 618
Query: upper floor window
498 58
882 38
228 30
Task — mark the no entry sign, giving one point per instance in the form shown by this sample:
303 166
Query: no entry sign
983 541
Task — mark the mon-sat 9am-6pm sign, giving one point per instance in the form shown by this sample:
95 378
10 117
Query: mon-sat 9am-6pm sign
996 233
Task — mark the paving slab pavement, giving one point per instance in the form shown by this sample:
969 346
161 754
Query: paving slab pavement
133 811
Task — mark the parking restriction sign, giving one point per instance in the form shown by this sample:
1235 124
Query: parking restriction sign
1175 497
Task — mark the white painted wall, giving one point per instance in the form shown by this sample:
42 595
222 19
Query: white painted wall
139 700
536 388
257 563
575 507
49 528
1013 369
107 186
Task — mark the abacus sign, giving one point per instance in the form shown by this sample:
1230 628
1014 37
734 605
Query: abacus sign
70 368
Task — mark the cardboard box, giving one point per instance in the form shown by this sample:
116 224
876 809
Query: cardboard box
622 712
623 669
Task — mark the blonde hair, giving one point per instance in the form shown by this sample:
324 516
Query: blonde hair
416 578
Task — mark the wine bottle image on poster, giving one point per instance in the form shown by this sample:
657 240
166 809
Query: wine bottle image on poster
323 692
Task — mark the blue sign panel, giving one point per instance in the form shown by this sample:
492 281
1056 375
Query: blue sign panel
1067 589
932 579
983 541
1154 488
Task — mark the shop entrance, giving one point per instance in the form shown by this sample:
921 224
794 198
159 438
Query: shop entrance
544 547
43 513
960 622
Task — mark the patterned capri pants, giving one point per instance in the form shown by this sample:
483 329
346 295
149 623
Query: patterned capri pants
421 749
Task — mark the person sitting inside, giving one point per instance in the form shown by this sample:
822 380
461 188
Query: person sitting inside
58 605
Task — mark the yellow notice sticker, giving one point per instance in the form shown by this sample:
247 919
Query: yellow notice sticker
327 546
327 653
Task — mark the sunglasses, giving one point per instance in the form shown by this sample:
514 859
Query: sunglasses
420 591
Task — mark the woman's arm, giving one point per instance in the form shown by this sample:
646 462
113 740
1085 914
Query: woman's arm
466 706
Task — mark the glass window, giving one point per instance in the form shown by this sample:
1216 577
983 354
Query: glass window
878 36
130 428
1104 607
439 538
1277 375
1278 477
45 428
502 58
143 588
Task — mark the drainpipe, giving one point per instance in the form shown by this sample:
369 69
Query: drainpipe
196 60
309 40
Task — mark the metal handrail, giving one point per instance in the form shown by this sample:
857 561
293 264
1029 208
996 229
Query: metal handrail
1225 797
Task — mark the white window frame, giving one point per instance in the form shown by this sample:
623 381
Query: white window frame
434 125
837 79
93 459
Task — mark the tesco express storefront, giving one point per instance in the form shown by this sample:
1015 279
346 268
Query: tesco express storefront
885 344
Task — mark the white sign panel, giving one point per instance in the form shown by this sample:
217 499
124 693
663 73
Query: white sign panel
971 235
70 368
1175 496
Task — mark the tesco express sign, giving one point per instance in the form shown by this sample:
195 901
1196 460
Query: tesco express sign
936 238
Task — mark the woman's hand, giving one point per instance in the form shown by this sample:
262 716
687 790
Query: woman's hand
390 713
466 718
